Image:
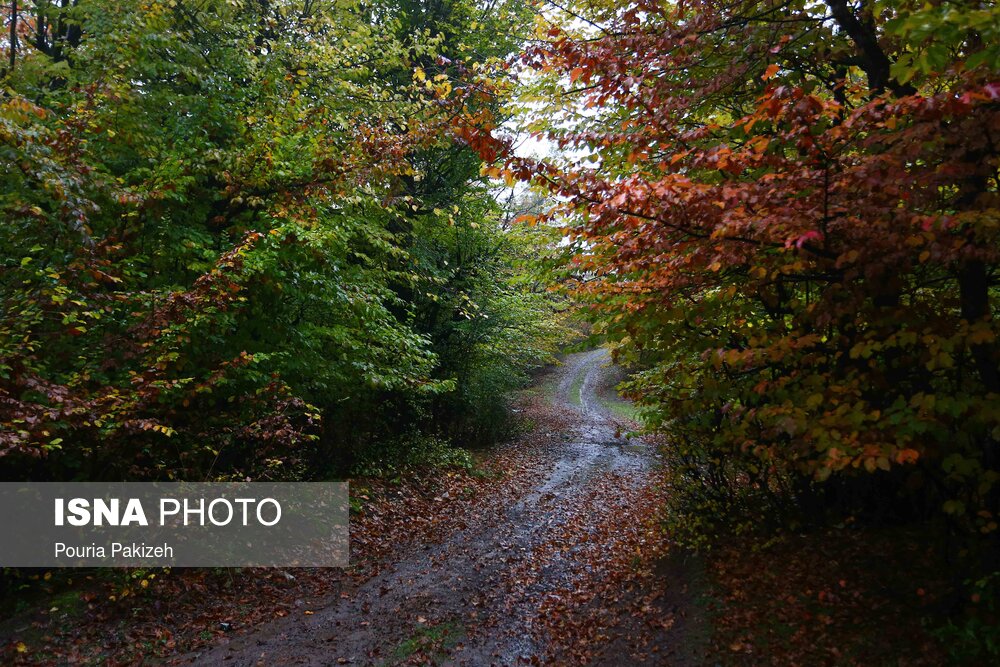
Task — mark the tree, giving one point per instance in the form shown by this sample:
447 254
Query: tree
790 217
205 274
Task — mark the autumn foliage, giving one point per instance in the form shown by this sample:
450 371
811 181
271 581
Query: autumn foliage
257 239
786 214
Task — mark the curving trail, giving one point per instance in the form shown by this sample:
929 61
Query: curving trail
486 594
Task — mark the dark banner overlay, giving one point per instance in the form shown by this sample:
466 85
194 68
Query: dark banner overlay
178 524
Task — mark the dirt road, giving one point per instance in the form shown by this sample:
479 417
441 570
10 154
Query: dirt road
486 595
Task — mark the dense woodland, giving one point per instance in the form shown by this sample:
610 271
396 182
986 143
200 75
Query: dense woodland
268 239
791 228
785 215
243 239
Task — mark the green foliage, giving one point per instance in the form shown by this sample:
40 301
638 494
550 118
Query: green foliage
395 457
486 306
244 238
940 37
975 638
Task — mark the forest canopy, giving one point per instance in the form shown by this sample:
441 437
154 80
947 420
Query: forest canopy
785 215
288 240
255 238
246 239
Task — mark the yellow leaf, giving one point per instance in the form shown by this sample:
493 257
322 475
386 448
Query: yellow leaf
760 144
21 648
955 507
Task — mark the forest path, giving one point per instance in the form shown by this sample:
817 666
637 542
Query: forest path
486 594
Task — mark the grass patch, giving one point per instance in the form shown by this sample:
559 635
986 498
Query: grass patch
576 389
623 409
68 603
432 642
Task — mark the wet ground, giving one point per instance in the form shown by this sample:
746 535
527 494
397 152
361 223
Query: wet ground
478 597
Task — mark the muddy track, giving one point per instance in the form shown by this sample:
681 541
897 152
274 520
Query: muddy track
478 592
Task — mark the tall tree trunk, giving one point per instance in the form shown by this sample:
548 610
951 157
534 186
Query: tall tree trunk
973 284
13 34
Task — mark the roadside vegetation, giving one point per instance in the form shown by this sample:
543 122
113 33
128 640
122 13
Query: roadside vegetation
784 218
247 240
265 240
